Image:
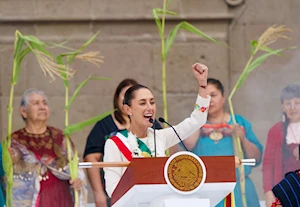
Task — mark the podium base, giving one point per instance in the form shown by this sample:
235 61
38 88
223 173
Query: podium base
155 195
175 200
186 202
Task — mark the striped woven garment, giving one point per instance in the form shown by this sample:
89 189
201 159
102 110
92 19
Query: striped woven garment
288 190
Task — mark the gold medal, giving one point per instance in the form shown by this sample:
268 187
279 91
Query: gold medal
145 154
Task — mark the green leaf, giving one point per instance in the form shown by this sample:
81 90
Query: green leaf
59 60
75 53
242 80
160 11
41 48
70 59
60 45
258 61
33 39
188 27
8 169
35 44
79 126
253 45
19 46
170 39
168 4
18 62
268 49
158 22
6 157
67 54
80 86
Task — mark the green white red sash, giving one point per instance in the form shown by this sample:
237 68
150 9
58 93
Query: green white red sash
120 140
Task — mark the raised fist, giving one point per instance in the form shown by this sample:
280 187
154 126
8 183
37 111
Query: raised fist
200 72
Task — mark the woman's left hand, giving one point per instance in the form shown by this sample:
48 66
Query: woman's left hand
201 72
76 184
239 132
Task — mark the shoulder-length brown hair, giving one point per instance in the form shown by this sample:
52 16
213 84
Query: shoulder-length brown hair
125 83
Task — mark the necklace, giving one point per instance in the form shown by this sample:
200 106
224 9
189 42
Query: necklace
216 135
136 148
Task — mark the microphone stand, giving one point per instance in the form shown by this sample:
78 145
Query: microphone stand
152 121
162 120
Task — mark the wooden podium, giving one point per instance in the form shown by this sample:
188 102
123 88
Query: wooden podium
143 184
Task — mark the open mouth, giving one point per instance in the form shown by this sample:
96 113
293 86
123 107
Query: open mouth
148 116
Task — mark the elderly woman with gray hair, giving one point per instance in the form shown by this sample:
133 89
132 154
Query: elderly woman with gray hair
282 152
40 165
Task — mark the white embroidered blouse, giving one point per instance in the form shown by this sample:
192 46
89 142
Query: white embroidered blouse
165 138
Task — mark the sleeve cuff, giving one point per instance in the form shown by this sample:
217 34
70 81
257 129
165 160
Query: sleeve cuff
202 104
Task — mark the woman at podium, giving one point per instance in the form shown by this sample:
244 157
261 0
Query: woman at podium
215 139
102 130
138 140
94 148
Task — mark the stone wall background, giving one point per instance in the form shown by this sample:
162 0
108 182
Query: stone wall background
130 44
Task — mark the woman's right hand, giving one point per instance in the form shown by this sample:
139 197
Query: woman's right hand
270 198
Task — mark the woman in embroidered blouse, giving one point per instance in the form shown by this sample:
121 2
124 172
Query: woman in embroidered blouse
139 104
281 154
102 130
40 166
94 148
215 139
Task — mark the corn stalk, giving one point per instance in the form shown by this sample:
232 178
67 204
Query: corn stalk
52 67
159 16
92 57
271 35
23 45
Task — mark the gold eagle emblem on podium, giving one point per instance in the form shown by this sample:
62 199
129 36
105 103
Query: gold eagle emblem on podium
185 172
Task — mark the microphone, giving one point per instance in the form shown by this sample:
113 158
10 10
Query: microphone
152 121
162 120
